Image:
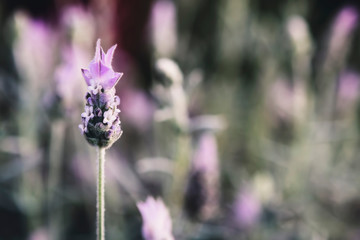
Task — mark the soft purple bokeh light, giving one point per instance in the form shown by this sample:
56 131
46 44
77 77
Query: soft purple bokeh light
40 234
163 25
247 209
205 158
349 86
69 84
348 90
156 220
344 24
34 50
137 108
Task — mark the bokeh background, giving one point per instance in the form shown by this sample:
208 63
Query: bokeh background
242 115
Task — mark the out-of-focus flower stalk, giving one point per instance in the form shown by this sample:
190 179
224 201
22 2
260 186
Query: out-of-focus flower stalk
335 56
56 152
300 38
299 35
202 193
34 50
201 199
347 94
173 81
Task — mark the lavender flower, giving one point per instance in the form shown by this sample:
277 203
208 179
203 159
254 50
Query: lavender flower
100 121
156 220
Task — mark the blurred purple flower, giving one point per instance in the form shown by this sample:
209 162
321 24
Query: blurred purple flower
287 101
348 89
344 24
138 109
163 24
247 209
349 86
69 85
346 20
40 234
34 50
206 155
202 193
81 24
156 220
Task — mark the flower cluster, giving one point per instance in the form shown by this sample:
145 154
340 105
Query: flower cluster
156 220
100 121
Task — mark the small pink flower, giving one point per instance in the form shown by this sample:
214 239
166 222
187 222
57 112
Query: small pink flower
156 220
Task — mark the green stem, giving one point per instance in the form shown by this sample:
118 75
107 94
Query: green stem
101 195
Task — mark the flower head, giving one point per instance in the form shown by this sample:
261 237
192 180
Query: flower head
100 71
156 220
100 121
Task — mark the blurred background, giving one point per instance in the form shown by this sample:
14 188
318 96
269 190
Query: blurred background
242 115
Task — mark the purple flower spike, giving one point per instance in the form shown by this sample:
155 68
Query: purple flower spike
100 124
100 71
156 220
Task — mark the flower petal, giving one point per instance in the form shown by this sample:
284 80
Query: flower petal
98 49
109 55
87 76
94 68
108 83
